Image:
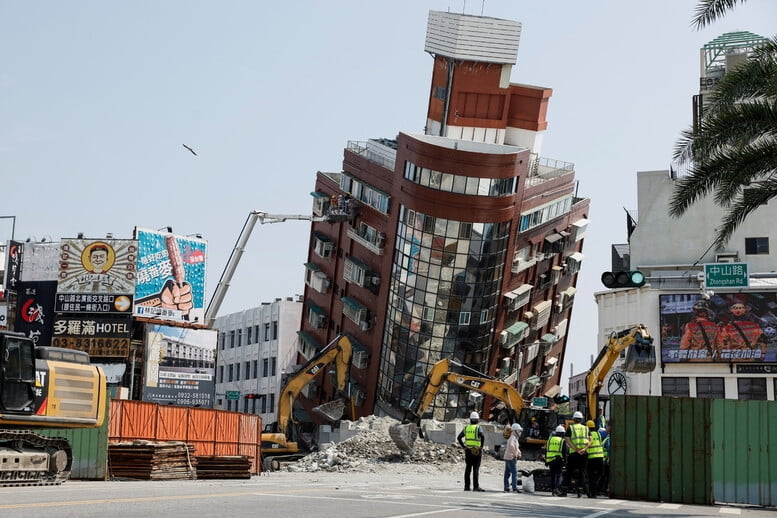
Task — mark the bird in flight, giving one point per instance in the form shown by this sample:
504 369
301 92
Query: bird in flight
190 149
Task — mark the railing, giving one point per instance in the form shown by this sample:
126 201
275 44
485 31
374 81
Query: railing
369 245
543 169
361 149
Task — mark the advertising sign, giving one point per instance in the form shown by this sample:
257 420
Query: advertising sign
98 335
88 266
35 310
180 366
170 280
723 328
13 265
41 261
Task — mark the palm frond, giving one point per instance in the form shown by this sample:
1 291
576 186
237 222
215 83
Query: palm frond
707 11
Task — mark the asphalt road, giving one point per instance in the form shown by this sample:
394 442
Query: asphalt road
352 495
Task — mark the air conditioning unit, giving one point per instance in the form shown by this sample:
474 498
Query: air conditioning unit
321 321
375 280
503 336
364 325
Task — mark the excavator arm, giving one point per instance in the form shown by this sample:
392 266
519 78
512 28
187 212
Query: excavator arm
339 352
404 434
642 343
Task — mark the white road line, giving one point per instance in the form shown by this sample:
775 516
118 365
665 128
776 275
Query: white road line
427 513
669 506
730 510
600 513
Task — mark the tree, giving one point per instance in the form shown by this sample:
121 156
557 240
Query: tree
732 152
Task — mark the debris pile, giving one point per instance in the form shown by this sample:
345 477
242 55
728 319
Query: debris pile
371 450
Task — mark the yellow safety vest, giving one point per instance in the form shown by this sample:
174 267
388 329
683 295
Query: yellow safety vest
553 448
595 451
471 438
579 435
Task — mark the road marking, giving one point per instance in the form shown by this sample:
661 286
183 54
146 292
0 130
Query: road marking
425 513
730 510
669 506
600 513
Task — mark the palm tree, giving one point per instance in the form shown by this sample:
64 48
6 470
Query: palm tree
732 152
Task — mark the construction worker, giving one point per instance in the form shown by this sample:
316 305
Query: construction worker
595 461
555 455
604 485
511 457
600 420
471 439
578 440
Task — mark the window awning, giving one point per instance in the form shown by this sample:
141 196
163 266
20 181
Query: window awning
321 237
549 337
359 263
552 238
581 223
510 295
309 340
551 361
577 256
517 328
522 289
316 309
353 304
570 292
553 391
313 267
319 194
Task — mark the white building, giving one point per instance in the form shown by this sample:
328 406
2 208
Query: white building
255 347
734 354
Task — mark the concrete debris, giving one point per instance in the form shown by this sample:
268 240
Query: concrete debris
370 449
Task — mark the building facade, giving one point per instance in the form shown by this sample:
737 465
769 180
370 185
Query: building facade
255 348
712 341
462 242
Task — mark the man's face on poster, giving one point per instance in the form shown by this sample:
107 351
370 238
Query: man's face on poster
98 257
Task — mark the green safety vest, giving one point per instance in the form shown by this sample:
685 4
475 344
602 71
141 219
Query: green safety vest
605 442
579 435
595 451
471 438
553 448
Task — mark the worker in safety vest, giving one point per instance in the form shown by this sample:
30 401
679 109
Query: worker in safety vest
471 439
578 440
595 462
555 456
604 486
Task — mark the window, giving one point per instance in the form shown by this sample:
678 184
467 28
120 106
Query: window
265 367
267 332
231 372
315 278
272 402
247 370
756 245
322 245
256 369
678 387
221 374
273 362
248 335
223 340
751 389
237 371
264 403
245 406
464 318
712 388
239 337
232 339
275 330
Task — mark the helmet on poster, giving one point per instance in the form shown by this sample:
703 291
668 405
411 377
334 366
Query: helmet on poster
701 308
738 309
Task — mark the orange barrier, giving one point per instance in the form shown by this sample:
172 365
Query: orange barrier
211 432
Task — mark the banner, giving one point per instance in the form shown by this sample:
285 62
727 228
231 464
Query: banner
170 282
13 265
180 366
723 328
98 335
35 310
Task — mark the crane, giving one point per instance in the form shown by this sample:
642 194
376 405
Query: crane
229 270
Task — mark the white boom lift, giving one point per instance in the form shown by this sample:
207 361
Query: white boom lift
234 258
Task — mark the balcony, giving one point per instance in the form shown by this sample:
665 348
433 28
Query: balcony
374 247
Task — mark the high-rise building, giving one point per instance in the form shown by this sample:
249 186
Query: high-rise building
462 242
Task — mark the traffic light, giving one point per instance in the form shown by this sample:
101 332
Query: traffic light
252 396
632 279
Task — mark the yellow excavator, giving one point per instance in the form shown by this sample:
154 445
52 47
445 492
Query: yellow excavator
404 434
43 387
640 357
277 444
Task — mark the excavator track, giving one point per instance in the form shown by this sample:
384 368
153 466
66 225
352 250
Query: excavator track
31 459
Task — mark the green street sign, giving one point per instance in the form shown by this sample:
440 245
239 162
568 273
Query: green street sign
540 402
726 275
233 394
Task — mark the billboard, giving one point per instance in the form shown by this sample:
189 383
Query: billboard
98 335
722 328
41 261
13 265
170 283
35 310
180 366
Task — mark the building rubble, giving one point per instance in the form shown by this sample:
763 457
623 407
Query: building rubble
370 449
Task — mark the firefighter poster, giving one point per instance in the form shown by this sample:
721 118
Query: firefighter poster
721 328
170 283
180 366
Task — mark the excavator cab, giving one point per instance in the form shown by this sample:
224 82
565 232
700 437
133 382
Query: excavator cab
641 355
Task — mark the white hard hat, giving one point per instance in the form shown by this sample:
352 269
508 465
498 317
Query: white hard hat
474 415
517 428
577 415
560 429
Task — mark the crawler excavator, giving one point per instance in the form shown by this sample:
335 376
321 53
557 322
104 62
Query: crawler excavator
277 442
404 434
43 387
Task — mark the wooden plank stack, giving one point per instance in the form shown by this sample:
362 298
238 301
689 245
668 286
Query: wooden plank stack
147 460
224 466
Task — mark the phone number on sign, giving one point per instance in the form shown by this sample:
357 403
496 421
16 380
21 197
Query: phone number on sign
95 346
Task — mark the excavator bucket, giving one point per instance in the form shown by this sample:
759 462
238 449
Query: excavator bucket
333 410
641 356
404 435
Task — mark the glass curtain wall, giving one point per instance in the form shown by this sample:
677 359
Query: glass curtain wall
444 294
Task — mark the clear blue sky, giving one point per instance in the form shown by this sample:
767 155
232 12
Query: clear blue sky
97 98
